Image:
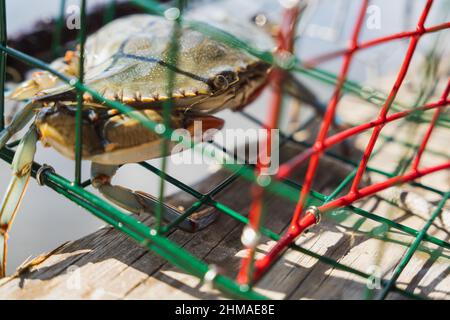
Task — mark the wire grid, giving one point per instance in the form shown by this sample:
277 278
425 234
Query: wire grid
251 269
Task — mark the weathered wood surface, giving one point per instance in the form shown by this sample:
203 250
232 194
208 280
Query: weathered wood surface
107 265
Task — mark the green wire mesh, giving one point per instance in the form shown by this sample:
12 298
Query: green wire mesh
155 238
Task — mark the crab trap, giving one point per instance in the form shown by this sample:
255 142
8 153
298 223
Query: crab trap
355 136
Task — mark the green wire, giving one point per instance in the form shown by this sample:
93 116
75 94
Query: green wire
136 230
78 115
110 12
57 33
2 63
367 94
145 235
412 249
172 59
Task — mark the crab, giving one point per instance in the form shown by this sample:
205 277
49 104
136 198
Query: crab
126 61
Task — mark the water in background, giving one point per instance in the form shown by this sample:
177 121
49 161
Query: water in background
47 219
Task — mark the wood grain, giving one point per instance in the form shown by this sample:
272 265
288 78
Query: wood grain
107 265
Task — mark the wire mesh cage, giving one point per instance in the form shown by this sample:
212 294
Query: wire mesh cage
331 138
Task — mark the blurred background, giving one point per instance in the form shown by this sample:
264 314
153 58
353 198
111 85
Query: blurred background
46 219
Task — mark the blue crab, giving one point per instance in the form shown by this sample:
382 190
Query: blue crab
126 61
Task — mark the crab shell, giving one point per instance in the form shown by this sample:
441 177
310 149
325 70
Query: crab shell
127 60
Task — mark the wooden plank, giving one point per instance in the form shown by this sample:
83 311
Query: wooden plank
107 265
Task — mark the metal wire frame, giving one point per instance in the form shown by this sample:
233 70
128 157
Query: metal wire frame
154 238
301 221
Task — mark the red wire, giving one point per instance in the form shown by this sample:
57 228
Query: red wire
285 46
364 45
244 275
328 118
382 116
423 145
286 169
299 223
372 189
296 226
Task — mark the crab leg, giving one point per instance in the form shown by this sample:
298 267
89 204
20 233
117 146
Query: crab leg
140 202
21 118
44 80
300 92
21 166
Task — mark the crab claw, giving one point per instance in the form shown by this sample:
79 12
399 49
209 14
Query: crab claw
18 122
44 80
21 166
200 127
140 202
203 127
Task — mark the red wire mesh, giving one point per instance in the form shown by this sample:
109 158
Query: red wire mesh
302 219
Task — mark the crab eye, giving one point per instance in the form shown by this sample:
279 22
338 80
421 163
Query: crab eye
224 80
220 82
